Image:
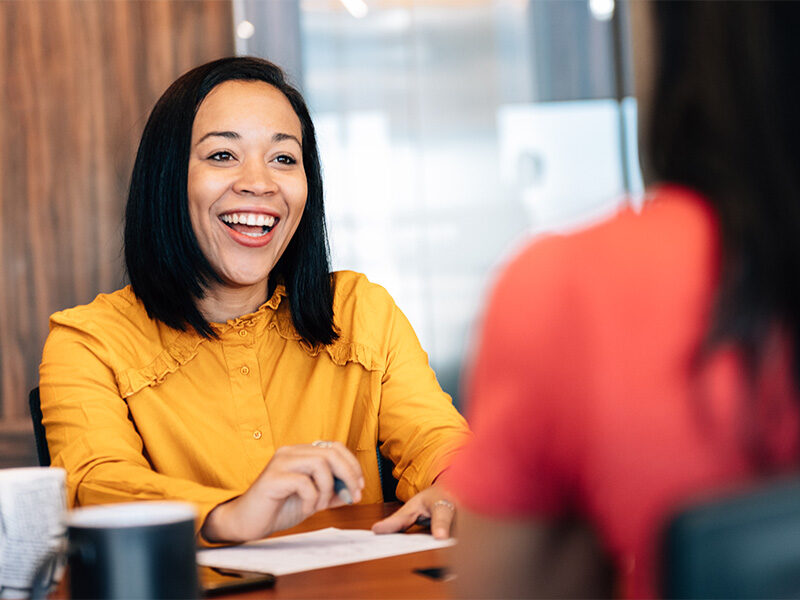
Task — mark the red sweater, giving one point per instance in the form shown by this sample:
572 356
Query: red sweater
583 398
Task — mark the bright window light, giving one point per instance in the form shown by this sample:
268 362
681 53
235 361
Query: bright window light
602 10
245 30
357 8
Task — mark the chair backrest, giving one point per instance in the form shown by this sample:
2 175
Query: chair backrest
742 546
388 482
38 429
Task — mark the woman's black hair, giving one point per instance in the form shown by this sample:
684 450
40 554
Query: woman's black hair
166 267
725 120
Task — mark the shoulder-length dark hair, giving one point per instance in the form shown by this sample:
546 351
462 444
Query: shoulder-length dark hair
166 267
725 121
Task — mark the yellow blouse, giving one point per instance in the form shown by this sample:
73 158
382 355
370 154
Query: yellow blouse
135 410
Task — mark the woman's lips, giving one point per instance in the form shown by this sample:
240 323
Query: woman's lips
251 229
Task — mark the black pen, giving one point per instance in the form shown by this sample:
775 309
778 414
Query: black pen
340 489
423 521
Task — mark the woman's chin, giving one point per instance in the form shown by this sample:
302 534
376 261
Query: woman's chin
244 282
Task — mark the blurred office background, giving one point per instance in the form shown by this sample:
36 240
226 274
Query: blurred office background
450 130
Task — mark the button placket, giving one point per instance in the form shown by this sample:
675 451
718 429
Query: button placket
241 354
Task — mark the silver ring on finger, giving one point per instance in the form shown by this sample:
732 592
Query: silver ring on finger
322 444
446 503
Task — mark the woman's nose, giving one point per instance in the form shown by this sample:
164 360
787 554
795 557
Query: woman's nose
255 179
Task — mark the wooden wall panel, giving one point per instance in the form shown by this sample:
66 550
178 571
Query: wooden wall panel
78 80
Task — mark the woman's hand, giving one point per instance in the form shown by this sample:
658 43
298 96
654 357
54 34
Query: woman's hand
296 483
433 502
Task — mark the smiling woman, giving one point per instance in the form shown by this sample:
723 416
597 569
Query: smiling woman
210 131
236 372
247 189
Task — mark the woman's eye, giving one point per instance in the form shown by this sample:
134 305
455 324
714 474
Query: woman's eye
285 159
221 156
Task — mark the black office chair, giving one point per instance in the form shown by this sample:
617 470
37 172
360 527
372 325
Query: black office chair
388 482
38 429
741 546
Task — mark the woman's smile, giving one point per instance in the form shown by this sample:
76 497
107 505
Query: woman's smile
249 227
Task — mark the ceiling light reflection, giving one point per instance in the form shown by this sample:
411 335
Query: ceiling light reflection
602 10
357 8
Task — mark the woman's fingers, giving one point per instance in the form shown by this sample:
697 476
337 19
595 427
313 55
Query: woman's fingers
400 520
307 491
341 463
442 515
323 462
320 474
297 481
431 502
344 452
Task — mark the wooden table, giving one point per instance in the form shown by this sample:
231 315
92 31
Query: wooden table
391 577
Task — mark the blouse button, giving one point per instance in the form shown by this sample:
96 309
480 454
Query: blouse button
242 333
244 370
257 434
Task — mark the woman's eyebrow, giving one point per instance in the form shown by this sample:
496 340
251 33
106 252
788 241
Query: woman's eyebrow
279 137
231 135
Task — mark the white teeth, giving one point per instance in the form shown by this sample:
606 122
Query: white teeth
251 219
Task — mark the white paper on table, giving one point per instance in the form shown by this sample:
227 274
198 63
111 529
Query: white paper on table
316 549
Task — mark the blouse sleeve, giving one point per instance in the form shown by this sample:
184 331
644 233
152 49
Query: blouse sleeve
90 432
419 429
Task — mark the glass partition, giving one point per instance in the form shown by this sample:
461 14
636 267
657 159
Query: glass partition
451 131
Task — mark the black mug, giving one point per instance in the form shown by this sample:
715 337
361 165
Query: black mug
142 550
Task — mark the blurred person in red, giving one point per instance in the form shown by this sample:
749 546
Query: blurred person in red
651 359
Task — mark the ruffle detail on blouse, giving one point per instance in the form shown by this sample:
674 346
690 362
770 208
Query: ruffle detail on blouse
263 312
177 354
185 347
275 300
341 351
274 314
282 323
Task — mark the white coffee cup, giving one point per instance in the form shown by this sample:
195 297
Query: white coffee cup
32 527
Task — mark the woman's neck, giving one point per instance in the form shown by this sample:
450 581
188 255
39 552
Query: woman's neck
222 303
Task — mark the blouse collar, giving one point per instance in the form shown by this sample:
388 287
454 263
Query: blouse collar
264 313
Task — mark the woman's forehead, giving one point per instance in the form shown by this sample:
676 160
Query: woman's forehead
246 105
